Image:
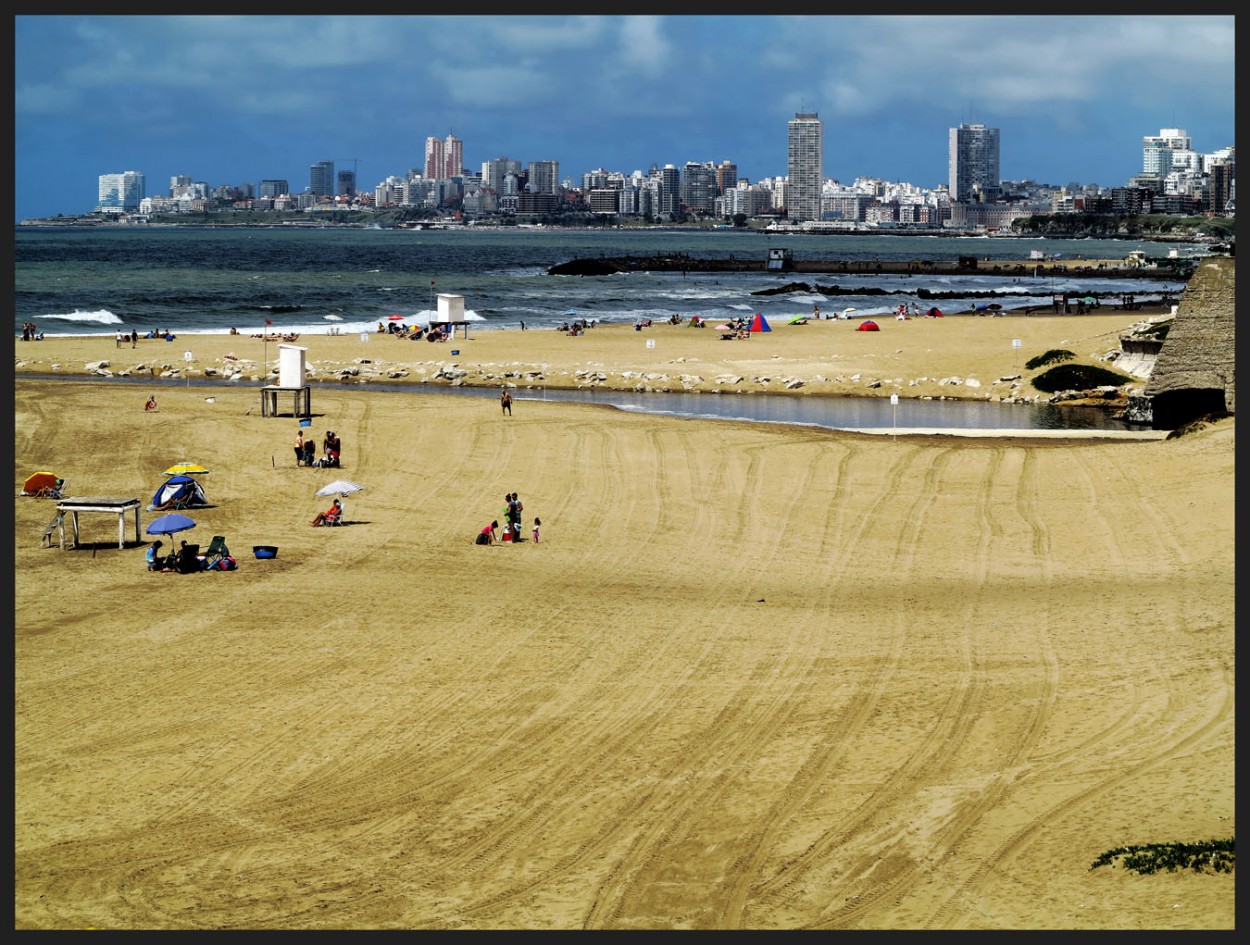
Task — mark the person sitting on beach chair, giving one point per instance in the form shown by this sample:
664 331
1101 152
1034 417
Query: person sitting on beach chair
331 516
187 560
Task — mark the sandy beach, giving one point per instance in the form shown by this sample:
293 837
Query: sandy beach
957 356
752 676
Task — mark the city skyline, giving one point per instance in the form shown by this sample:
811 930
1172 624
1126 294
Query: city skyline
218 99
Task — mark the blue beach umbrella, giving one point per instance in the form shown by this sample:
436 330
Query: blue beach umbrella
169 524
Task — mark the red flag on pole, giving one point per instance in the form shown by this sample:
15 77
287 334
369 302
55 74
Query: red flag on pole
267 320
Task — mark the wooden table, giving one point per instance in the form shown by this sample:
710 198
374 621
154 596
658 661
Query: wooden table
118 507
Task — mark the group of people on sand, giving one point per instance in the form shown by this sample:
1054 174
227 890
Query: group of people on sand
185 559
30 332
511 524
306 450
576 327
273 336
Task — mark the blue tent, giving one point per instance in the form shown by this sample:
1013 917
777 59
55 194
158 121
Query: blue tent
759 323
178 492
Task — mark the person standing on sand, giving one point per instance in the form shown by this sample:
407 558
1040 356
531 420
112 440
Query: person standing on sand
537 521
299 446
505 402
516 507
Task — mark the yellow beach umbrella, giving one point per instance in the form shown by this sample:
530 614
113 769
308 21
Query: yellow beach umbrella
185 469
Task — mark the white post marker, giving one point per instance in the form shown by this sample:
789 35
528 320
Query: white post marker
1015 343
650 342
364 336
186 356
894 404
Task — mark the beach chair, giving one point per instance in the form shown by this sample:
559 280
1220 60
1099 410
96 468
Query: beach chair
217 549
188 560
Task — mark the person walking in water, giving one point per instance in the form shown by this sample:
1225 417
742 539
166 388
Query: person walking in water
505 402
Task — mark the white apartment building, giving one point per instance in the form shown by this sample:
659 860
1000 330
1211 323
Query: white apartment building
120 193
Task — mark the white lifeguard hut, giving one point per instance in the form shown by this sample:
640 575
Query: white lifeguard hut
291 380
451 314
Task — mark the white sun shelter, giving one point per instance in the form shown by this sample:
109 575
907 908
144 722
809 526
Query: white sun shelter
451 314
291 381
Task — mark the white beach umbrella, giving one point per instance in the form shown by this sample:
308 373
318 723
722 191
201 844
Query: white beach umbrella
340 487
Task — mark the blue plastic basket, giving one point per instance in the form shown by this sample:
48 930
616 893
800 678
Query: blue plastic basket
265 551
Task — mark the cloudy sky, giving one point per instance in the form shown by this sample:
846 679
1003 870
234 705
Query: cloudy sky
236 99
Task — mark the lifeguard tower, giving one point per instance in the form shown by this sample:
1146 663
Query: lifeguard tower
451 314
291 377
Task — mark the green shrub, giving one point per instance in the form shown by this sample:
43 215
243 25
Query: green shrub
1219 855
1053 356
1077 377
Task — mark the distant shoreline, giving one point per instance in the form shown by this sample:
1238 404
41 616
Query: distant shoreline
719 229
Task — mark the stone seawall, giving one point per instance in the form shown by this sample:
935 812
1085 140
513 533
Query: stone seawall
1102 269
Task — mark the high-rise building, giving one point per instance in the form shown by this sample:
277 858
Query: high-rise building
806 166
453 157
1223 186
435 158
726 177
544 177
974 170
698 187
347 184
120 193
1157 151
273 187
321 179
179 184
668 194
494 172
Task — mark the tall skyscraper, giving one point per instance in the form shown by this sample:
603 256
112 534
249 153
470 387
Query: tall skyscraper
974 163
669 190
120 193
435 159
321 179
453 157
806 166
726 176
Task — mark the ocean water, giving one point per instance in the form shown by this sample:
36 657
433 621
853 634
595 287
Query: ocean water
195 279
